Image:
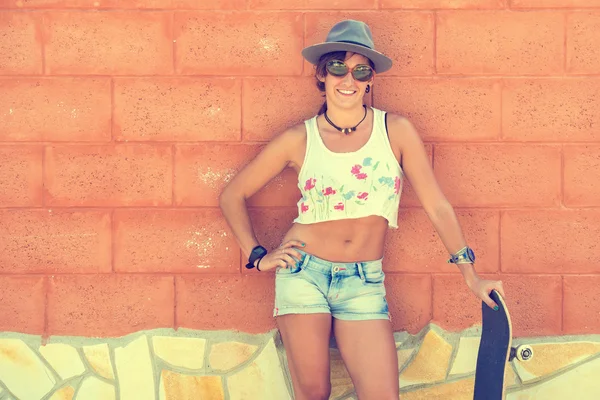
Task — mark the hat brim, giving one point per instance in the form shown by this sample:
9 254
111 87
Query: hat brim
313 53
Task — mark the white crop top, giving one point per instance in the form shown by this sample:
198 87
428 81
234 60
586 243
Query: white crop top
357 184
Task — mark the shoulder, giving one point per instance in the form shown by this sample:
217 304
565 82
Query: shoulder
289 141
401 130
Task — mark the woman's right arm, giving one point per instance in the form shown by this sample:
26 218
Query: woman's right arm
277 155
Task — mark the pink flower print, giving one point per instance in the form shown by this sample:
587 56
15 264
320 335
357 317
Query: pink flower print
303 207
329 191
310 183
361 176
356 169
339 206
363 195
397 185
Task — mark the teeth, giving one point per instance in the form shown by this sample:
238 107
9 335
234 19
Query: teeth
346 91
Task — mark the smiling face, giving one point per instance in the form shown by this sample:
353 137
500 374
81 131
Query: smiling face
346 92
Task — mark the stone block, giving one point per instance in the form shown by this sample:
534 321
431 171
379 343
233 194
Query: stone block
180 351
175 386
19 367
64 359
261 379
134 370
227 355
99 358
431 362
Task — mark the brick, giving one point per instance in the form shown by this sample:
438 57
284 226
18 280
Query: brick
209 4
280 191
262 103
183 241
554 3
562 109
405 37
201 173
436 4
583 54
582 176
20 176
500 42
121 175
55 109
311 4
116 43
550 241
93 4
409 301
580 307
51 241
455 307
505 175
180 109
20 44
444 109
416 246
22 304
534 303
271 225
243 303
109 305
111 4
241 43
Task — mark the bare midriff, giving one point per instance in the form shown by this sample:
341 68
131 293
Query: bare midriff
349 240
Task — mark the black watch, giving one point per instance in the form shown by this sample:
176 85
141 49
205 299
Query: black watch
257 253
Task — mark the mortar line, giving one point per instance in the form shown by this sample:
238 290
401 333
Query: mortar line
113 364
46 363
79 384
175 327
89 368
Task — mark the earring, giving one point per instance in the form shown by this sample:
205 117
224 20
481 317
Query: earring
368 89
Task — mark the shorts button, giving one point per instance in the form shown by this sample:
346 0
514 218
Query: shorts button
336 268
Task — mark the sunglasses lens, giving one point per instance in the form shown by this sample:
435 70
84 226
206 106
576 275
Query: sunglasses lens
337 68
362 73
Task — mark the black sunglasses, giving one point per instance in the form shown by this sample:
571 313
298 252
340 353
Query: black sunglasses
360 72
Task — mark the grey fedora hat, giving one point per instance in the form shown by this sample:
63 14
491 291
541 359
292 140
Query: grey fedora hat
349 35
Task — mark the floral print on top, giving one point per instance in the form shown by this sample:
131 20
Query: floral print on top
318 201
338 186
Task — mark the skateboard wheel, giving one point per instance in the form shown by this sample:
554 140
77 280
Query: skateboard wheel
523 353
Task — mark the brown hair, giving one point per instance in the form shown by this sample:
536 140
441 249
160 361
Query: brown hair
321 71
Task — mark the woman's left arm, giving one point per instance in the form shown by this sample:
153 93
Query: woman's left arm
417 168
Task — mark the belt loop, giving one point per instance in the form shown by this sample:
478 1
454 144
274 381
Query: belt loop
360 271
305 260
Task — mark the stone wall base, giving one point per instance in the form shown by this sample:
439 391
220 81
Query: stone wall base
163 364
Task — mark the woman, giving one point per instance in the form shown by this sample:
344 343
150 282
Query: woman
351 161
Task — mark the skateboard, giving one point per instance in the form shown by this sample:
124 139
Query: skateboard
495 351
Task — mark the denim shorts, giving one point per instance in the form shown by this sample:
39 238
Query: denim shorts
347 291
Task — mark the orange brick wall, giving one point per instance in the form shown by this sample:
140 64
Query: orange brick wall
119 127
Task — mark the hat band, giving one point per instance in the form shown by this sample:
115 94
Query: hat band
351 42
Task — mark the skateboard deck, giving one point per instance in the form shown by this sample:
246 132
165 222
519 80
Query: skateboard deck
494 351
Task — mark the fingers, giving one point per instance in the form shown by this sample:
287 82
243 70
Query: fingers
291 243
491 303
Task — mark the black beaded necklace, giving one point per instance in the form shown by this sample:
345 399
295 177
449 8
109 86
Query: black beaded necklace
346 131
